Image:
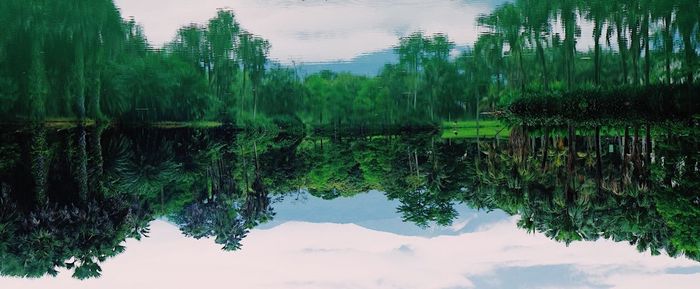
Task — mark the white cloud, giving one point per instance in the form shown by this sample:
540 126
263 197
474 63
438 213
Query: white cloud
315 30
308 255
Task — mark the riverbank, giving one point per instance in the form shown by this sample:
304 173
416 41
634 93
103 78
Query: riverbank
474 129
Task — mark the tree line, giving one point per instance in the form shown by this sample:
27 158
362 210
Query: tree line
82 60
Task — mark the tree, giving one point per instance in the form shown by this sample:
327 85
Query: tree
222 38
687 12
597 11
536 15
410 51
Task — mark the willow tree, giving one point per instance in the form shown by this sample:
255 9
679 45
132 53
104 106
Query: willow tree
253 54
438 70
222 40
410 51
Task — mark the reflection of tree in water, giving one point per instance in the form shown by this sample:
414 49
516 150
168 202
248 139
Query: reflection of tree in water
227 207
92 188
678 180
428 188
53 236
213 217
45 226
577 195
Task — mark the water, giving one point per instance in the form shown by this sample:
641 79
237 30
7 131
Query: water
289 210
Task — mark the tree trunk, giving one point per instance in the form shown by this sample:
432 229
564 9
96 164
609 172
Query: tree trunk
97 164
599 160
39 152
243 86
82 162
626 143
95 89
571 164
637 151
597 32
622 45
689 57
38 84
79 71
255 101
545 149
543 62
635 49
649 148
668 45
647 53
523 76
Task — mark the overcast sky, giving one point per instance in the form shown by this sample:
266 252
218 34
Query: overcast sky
316 30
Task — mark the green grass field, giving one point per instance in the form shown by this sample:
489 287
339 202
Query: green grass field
470 129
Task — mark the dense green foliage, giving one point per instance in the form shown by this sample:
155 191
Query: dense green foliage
595 106
80 59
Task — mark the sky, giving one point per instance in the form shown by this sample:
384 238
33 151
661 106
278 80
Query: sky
312 31
339 251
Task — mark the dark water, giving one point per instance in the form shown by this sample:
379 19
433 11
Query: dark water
75 201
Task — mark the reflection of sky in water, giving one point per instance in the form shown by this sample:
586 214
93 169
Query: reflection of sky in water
317 30
360 243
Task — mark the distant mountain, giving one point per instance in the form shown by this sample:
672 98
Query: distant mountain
373 211
367 64
492 3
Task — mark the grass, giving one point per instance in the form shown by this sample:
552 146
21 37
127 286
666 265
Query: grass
186 124
67 122
470 129
472 123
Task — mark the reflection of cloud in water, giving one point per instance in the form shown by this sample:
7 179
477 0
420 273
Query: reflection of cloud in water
406 249
307 255
372 210
312 31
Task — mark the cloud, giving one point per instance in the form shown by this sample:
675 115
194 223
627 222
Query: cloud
326 255
316 30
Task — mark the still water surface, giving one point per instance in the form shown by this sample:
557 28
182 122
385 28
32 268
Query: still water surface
353 211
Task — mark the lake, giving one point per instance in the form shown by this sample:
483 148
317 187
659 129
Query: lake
349 144
139 206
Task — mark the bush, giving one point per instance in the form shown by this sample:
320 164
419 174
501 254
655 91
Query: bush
594 106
